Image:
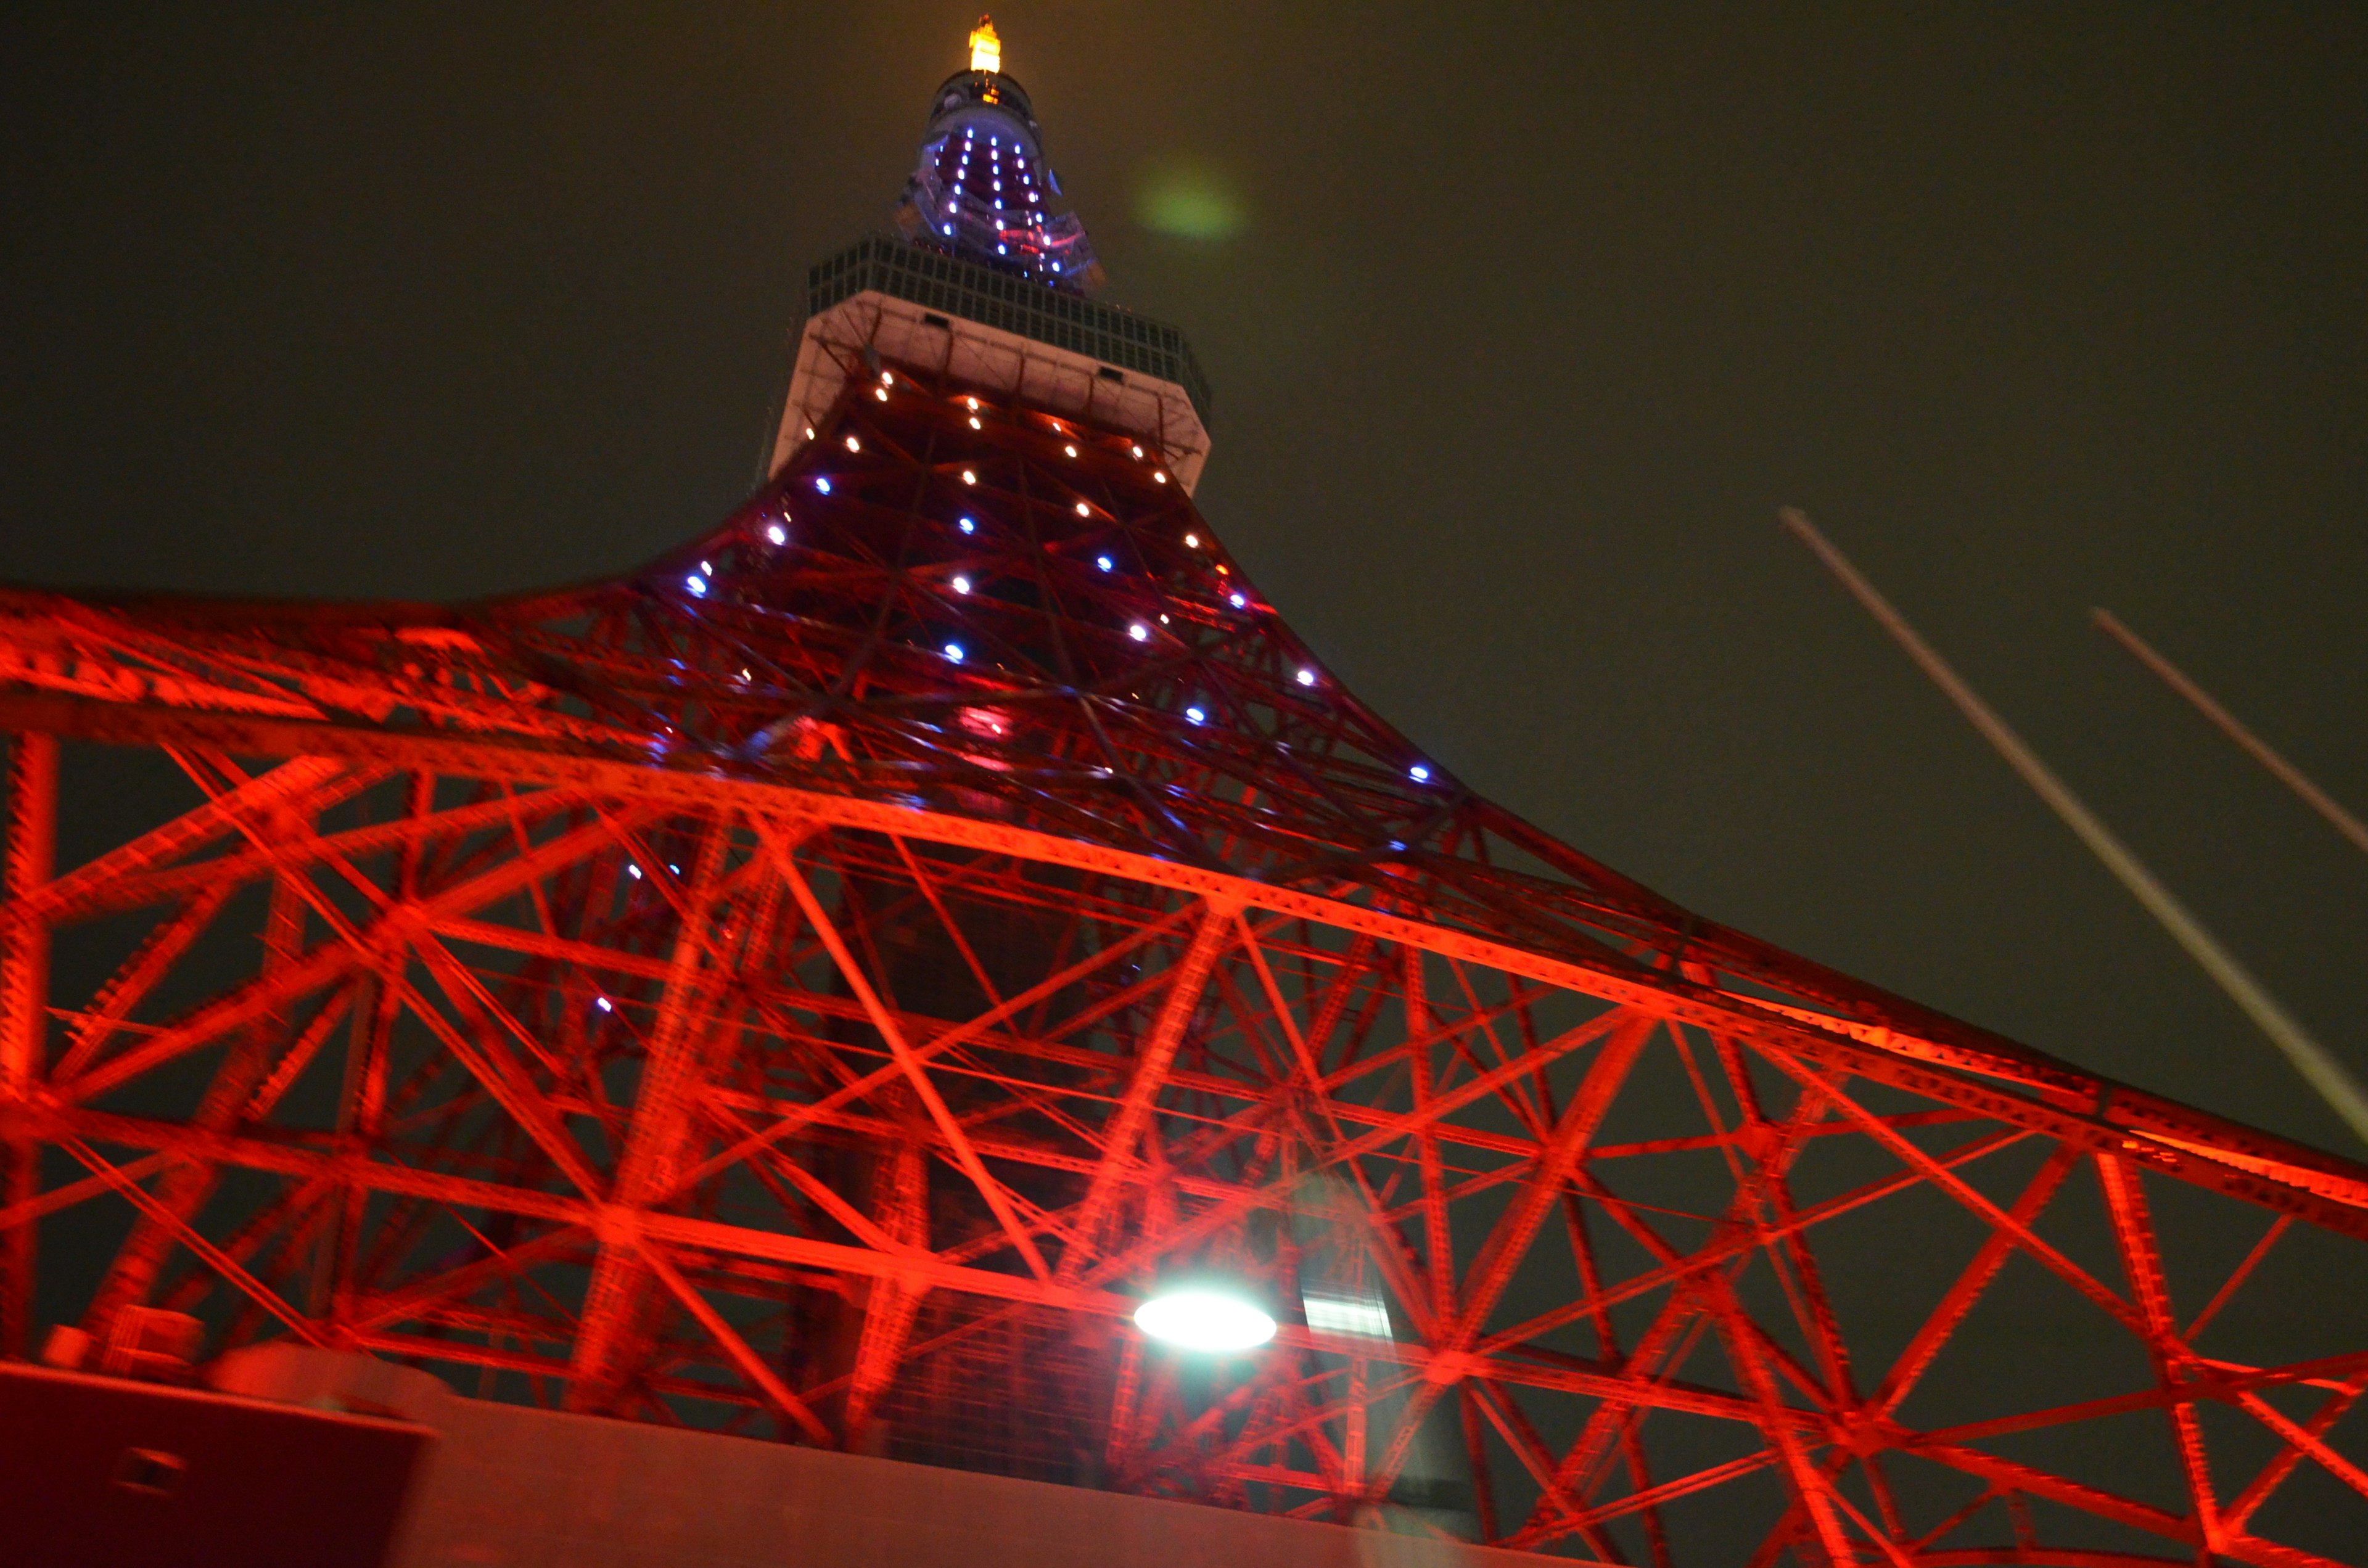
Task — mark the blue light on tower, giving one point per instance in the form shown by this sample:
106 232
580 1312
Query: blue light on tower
983 100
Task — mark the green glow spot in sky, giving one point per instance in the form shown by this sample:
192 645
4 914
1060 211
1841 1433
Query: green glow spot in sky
1188 197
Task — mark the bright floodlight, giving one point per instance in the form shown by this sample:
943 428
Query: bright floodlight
1204 1319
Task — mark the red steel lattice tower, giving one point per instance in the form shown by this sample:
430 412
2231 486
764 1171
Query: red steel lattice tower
817 985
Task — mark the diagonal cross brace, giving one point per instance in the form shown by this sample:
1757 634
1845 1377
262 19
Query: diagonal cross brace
1152 1062
965 1155
1508 1241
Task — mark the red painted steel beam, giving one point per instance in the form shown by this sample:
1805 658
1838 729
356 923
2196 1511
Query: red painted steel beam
26 863
2256 1167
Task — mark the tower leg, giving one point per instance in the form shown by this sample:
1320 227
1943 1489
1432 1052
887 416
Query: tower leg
30 854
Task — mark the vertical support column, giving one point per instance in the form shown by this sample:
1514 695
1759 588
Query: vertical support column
1438 1234
31 853
902 1209
611 1333
1356 1440
2125 1202
1439 1239
361 1097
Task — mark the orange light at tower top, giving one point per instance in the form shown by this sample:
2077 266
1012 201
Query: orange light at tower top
985 48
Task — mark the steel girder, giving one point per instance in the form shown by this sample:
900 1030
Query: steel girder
815 984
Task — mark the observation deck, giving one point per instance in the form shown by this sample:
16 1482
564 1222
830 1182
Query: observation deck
885 300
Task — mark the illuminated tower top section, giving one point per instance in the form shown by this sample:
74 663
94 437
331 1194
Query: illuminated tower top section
983 190
985 294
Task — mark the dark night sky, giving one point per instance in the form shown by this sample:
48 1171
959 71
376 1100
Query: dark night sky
1532 319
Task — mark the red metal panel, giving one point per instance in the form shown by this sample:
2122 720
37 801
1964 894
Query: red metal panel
98 1470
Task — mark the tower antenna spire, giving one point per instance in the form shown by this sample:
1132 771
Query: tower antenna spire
981 189
986 46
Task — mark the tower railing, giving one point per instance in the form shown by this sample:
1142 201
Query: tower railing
937 281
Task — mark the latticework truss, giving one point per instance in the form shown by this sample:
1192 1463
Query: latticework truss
812 987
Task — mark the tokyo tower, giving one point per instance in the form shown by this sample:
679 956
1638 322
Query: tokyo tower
821 986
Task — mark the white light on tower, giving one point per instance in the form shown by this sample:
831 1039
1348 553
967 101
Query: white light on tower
1197 1318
